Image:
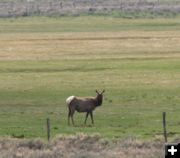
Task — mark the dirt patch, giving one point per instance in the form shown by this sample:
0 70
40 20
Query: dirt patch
80 146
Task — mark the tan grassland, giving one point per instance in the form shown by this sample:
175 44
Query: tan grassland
91 45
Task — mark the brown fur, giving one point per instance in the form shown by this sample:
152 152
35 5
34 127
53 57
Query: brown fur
84 104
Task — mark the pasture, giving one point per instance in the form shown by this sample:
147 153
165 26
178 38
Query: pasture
44 60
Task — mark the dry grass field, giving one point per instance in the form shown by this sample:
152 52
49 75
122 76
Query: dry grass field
81 146
91 45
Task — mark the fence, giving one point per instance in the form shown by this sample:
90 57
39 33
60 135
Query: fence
163 122
11 8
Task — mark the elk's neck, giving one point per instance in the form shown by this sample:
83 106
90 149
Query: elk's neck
98 101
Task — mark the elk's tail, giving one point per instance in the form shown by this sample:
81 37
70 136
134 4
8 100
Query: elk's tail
69 100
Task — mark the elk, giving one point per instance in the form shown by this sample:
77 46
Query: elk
83 104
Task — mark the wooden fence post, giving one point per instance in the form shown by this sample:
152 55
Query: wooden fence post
164 126
48 129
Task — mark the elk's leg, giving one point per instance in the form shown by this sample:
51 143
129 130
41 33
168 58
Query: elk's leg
87 114
72 113
69 114
91 113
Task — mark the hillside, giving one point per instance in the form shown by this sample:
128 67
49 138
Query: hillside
121 8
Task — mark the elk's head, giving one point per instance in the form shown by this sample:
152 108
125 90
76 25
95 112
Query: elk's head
99 97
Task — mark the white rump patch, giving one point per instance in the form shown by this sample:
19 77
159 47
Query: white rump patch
69 99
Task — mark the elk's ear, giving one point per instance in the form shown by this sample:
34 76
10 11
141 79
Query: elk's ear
96 91
103 91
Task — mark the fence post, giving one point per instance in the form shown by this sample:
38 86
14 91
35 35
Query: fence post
48 129
164 126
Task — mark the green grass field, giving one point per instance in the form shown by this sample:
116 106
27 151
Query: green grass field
45 60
